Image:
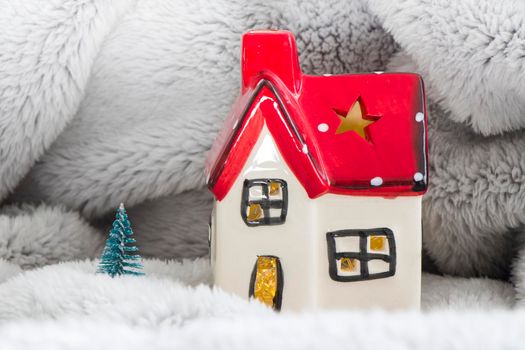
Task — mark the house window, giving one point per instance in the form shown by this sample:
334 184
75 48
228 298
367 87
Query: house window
357 255
264 202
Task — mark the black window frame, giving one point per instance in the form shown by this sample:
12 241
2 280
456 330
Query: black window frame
265 202
363 256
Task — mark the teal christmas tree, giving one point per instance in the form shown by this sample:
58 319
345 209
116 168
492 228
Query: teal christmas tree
117 257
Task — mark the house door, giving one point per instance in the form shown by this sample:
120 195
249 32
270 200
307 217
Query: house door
266 283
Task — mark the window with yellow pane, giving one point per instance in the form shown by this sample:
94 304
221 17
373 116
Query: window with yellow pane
357 255
264 202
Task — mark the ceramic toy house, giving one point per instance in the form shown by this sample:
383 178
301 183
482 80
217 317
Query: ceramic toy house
318 183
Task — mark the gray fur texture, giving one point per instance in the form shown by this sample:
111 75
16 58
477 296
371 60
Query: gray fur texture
47 52
153 80
161 88
33 236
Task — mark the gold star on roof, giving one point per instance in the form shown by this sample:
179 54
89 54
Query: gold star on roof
354 120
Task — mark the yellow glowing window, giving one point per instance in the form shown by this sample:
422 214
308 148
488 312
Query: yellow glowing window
274 188
255 212
377 243
361 254
348 264
264 202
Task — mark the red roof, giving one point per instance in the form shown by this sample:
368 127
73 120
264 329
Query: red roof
306 116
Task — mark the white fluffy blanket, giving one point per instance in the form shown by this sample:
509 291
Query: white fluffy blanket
109 101
68 306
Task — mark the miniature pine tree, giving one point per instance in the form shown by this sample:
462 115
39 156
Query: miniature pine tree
116 258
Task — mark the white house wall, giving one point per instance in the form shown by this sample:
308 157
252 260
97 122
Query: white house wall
293 242
300 242
402 215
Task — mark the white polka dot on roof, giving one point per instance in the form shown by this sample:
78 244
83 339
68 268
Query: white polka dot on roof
418 176
419 117
376 181
323 127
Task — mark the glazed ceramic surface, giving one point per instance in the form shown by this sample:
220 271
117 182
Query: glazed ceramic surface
318 182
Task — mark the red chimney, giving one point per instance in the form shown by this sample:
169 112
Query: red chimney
271 52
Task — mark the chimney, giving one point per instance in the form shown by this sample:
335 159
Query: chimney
270 52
